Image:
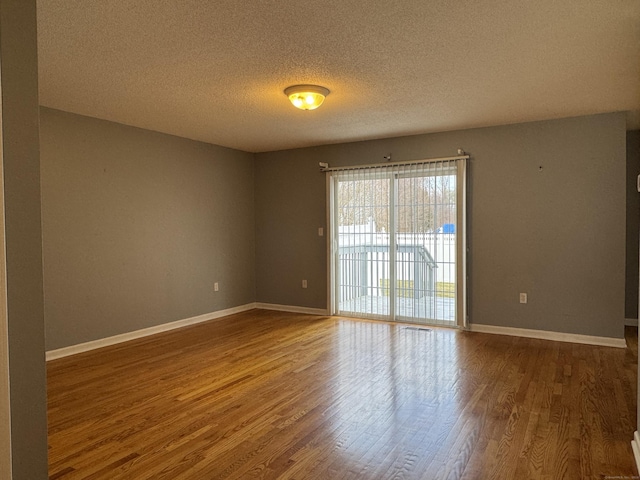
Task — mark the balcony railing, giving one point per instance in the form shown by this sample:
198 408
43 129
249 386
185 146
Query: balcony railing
365 282
365 269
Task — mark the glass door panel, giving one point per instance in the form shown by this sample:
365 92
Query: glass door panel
395 244
362 207
426 247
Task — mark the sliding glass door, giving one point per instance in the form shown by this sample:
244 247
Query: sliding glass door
397 251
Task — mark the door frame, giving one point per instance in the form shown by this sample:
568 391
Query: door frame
5 396
462 249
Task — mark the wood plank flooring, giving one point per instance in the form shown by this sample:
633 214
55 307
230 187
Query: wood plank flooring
285 396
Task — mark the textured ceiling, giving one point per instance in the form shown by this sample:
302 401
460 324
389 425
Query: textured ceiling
216 70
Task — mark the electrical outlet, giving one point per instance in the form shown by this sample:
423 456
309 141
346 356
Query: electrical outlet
215 287
523 298
304 284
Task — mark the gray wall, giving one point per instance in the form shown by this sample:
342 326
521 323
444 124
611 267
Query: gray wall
137 227
633 216
556 232
290 206
21 175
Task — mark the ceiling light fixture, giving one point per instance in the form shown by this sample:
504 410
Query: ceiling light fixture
306 97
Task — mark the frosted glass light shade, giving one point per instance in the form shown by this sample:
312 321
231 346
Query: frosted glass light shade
306 97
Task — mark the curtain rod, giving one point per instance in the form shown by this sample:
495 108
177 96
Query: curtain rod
324 167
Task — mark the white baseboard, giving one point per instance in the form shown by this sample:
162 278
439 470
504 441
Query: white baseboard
635 446
292 309
145 332
545 335
631 322
474 327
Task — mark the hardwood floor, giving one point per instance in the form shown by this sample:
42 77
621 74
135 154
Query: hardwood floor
279 395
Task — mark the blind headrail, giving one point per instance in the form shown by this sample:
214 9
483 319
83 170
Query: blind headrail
324 167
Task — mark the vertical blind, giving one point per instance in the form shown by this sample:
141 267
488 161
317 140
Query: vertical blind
399 241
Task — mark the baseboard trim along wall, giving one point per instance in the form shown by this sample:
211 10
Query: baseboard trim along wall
635 445
546 335
474 327
145 332
292 309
